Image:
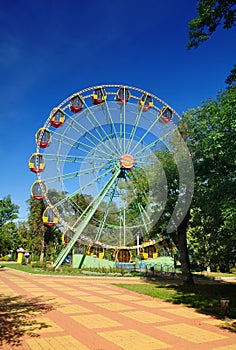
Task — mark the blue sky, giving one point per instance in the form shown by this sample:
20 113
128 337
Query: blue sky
50 49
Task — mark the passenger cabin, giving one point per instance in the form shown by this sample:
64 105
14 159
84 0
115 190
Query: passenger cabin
57 117
122 95
49 217
43 138
36 163
76 103
123 255
66 237
96 250
38 190
145 102
148 251
99 95
166 115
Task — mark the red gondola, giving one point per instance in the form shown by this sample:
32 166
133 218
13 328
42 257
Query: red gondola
145 102
66 237
49 217
76 103
166 115
57 118
36 163
123 95
38 189
99 95
43 138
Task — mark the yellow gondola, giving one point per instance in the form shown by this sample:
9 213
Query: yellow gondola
39 189
122 95
36 163
43 138
66 237
49 217
145 102
57 117
148 250
76 103
166 115
95 249
99 95
123 255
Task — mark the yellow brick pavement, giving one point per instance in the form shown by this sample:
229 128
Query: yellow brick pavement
94 314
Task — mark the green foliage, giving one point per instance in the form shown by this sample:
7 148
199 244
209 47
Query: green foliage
8 210
231 79
8 228
5 258
43 240
212 142
38 264
211 13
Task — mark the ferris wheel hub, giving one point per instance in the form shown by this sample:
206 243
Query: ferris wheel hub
127 161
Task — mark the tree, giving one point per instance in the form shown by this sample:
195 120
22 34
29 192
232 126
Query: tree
212 144
42 237
179 236
211 14
231 79
8 213
8 210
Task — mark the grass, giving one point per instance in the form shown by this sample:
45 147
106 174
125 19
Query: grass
38 270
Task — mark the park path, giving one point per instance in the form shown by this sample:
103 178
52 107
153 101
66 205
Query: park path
94 314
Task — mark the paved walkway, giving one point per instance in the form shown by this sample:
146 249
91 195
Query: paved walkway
93 314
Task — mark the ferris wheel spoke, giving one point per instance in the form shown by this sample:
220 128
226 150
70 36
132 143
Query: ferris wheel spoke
152 144
113 127
133 131
113 146
79 191
148 131
100 195
81 146
87 133
75 159
105 215
74 174
124 127
144 135
63 158
142 211
90 183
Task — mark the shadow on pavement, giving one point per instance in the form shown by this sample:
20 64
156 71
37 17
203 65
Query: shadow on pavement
17 317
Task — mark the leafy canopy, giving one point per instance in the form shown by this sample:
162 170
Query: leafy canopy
211 13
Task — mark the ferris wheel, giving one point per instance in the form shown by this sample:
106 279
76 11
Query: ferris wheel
97 165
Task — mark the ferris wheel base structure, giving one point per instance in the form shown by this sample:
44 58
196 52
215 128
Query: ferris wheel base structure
161 264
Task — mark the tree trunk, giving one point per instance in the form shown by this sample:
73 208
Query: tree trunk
183 249
43 248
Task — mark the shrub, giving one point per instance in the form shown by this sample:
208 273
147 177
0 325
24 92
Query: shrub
38 264
5 258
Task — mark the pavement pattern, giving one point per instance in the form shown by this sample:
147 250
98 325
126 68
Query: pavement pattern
93 314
